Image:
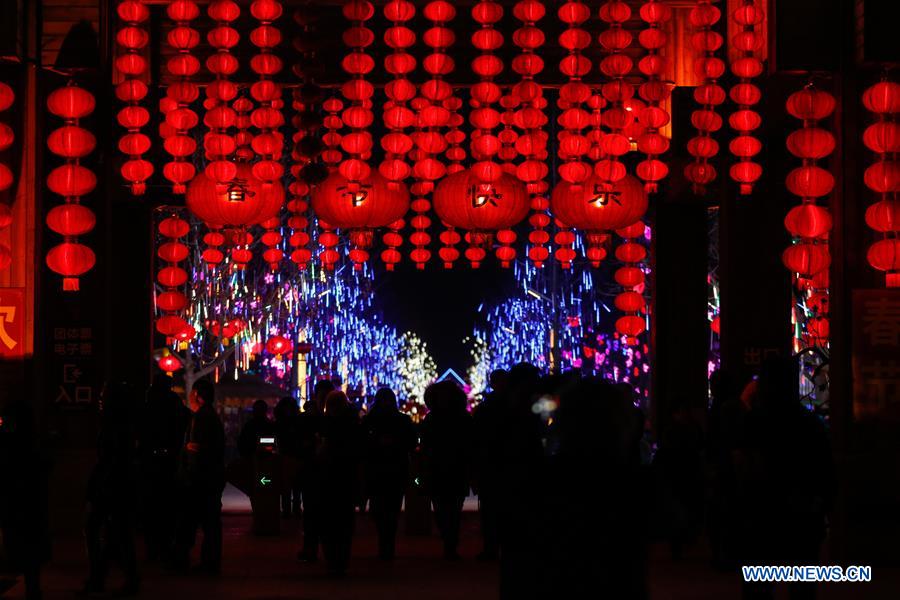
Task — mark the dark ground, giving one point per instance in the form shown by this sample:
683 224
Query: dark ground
258 568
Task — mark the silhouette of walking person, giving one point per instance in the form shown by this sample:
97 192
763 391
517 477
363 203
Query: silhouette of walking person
446 443
487 422
339 479
786 479
202 474
390 438
112 492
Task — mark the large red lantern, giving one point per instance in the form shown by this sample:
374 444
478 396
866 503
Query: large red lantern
71 180
597 206
243 201
361 208
463 200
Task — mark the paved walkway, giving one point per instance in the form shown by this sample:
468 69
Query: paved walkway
265 568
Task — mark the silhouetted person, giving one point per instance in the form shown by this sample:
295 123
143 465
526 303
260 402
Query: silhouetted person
163 421
390 438
23 495
112 491
287 434
725 432
202 474
337 469
488 423
786 479
518 481
310 425
596 538
257 426
679 461
446 442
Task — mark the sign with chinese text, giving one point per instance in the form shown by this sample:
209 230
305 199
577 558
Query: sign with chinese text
12 323
876 354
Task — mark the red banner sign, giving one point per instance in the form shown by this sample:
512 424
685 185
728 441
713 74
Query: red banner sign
876 354
12 322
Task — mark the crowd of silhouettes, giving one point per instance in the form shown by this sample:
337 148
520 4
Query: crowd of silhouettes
570 490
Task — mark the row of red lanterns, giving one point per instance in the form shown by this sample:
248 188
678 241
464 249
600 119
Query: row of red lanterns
883 178
132 66
809 223
71 180
7 138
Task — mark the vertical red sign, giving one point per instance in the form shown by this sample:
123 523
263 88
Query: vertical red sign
876 354
12 322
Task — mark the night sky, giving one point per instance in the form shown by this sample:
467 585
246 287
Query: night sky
441 305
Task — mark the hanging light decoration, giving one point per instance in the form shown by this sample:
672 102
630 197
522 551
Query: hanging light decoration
267 117
573 145
398 117
596 209
354 175
631 277
179 118
809 223
463 200
7 138
745 120
617 91
436 108
171 302
485 173
332 157
220 116
371 204
709 68
883 177
72 181
132 67
654 91
307 169
531 119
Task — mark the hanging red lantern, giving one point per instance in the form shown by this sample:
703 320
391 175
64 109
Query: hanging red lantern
7 138
71 181
598 206
278 345
244 201
171 276
746 66
220 116
617 91
465 201
132 67
267 116
809 223
397 114
183 66
709 67
883 177
654 92
169 364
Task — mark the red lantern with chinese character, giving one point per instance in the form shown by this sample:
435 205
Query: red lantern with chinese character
243 201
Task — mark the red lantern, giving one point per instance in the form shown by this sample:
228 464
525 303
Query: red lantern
132 66
597 206
709 67
465 201
278 345
806 258
243 201
182 67
747 41
71 181
169 364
